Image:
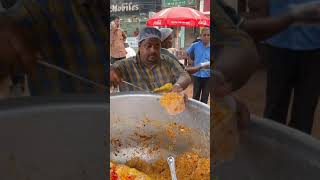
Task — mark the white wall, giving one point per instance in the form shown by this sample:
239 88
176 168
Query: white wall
201 5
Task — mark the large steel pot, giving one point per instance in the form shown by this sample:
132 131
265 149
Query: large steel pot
53 138
127 112
273 151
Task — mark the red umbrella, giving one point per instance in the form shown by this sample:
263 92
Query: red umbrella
179 16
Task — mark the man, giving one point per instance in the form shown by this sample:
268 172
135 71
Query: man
149 69
167 42
231 37
117 40
237 58
74 40
130 51
284 72
293 68
200 53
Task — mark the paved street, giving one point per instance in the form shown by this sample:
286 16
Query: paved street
253 94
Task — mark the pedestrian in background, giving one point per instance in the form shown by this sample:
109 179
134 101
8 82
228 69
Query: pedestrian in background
167 42
291 39
199 52
117 41
293 69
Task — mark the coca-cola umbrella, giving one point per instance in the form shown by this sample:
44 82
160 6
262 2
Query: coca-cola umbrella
179 17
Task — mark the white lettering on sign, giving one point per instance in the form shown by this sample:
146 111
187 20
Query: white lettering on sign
124 7
202 22
180 22
157 23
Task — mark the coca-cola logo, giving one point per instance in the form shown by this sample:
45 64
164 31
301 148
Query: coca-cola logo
157 22
202 22
181 22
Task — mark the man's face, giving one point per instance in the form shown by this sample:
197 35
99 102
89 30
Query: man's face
117 22
205 36
113 25
168 42
150 50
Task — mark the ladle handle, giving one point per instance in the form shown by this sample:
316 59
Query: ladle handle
172 167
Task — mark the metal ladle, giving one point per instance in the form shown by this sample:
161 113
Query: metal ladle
57 68
172 167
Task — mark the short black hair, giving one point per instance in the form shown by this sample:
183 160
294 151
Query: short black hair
204 30
114 17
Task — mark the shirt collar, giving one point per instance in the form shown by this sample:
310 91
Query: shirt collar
204 45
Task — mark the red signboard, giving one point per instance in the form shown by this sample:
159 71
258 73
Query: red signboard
206 6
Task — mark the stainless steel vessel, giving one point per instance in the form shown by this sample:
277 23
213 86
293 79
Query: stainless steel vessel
128 112
273 151
53 138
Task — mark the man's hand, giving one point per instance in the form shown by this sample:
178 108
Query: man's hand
177 88
192 70
205 65
115 77
306 13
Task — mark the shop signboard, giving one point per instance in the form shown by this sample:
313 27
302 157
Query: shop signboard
124 7
174 3
206 6
134 7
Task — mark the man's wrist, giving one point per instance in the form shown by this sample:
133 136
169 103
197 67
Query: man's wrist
178 85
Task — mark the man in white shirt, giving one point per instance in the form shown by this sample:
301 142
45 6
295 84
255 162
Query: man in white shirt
130 51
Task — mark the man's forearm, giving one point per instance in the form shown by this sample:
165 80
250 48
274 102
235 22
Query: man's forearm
184 80
192 69
263 28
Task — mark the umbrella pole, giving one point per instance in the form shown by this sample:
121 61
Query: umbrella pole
177 39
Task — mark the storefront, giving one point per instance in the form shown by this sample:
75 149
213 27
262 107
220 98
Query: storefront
134 14
186 35
205 7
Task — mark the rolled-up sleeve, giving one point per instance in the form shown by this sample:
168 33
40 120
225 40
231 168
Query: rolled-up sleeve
181 75
120 66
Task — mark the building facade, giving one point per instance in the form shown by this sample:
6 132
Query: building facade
134 13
